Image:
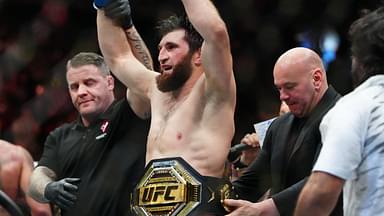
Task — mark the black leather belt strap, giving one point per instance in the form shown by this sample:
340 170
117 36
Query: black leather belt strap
215 190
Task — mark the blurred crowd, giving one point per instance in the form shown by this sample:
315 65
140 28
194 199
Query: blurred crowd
37 38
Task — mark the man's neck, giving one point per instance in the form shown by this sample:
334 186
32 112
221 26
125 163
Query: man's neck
90 119
317 99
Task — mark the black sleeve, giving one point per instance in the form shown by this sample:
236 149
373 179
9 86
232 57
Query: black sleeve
256 179
286 200
49 157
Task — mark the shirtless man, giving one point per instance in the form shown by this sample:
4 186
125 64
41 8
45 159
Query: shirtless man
16 166
193 97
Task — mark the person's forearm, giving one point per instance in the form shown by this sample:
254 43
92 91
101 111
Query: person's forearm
139 48
320 194
311 203
112 39
40 177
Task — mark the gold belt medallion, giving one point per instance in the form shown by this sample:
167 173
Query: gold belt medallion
169 187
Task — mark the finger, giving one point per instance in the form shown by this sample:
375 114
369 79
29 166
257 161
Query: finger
244 140
64 203
247 141
229 202
253 139
115 12
116 7
112 5
71 183
234 203
68 196
255 142
229 208
111 12
73 180
70 187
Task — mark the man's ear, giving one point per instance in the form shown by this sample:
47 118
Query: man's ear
318 77
196 57
111 82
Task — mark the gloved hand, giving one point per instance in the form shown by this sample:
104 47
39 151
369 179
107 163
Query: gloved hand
120 12
61 192
117 10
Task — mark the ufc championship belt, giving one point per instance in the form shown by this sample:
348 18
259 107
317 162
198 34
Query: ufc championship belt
171 187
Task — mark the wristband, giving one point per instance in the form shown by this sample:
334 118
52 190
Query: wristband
98 4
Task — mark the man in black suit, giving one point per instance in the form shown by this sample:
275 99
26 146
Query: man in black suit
292 141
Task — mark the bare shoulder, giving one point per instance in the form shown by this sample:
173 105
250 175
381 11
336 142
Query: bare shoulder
13 153
4 144
8 150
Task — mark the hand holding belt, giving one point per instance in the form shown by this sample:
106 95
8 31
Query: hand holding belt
215 190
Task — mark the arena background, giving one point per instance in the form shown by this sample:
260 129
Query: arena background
38 36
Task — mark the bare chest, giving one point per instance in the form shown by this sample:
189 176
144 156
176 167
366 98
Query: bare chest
173 127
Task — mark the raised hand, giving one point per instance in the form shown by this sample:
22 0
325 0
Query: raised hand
117 10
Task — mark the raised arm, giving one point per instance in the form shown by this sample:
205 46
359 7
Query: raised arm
119 11
139 48
140 105
216 53
119 54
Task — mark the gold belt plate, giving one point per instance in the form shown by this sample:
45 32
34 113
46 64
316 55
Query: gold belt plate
168 187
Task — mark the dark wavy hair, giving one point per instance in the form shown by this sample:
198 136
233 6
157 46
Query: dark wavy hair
367 43
175 22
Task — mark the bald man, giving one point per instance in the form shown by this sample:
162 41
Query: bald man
292 141
16 166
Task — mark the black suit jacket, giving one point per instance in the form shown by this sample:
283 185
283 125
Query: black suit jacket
286 176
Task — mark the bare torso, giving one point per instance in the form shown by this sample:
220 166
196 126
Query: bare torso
195 127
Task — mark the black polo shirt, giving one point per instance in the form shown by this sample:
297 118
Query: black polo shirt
108 157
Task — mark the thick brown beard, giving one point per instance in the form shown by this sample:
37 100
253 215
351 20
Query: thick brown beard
179 75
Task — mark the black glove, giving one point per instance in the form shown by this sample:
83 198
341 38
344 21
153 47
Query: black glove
61 192
120 12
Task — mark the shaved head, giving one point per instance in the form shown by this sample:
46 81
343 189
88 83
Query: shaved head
300 57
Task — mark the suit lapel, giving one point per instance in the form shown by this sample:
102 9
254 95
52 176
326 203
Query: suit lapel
329 99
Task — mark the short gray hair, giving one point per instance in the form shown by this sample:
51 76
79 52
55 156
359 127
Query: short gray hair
89 58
